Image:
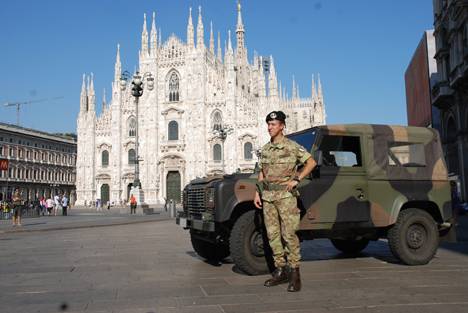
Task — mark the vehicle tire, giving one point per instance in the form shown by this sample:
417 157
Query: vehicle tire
350 246
209 251
249 246
414 238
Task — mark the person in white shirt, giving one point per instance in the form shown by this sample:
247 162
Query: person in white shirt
57 205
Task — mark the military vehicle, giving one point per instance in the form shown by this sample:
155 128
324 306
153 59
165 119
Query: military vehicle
371 182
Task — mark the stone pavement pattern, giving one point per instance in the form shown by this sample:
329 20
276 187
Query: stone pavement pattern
151 267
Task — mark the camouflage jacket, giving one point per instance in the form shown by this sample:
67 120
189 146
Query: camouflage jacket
278 164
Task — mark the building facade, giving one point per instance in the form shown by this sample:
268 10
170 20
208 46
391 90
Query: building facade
197 90
450 90
39 163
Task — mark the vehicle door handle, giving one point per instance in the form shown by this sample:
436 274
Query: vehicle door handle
360 195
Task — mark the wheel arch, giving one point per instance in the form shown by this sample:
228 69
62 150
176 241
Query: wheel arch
424 205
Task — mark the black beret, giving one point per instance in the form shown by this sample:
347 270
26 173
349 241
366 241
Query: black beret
276 115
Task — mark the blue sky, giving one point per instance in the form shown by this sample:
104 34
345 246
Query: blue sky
361 49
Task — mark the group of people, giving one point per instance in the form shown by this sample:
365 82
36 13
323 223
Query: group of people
42 206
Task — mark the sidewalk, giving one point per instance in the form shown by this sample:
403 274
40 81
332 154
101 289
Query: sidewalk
81 218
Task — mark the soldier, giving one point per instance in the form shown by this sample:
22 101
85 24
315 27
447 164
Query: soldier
277 194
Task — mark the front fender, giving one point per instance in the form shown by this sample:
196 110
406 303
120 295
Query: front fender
398 203
230 195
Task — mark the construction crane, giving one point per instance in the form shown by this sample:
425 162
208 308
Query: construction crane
19 104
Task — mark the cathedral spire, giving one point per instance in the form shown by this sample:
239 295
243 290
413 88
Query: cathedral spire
154 37
104 101
91 94
117 66
200 31
294 90
240 25
83 96
229 54
220 54
144 38
319 92
280 89
314 90
272 80
261 80
241 54
190 36
212 49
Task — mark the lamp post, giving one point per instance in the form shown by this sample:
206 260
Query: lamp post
138 86
222 132
137 92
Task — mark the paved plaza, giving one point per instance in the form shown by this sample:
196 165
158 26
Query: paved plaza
143 267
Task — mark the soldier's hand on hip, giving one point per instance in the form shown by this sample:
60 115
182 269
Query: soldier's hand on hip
291 185
257 201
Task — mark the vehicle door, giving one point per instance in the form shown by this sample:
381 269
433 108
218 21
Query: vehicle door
339 194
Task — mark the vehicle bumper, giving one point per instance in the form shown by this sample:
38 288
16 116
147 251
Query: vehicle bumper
188 223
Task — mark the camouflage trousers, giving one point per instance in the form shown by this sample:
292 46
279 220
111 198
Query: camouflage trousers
282 221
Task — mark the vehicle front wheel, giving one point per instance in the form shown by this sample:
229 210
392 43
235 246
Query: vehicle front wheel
414 237
209 251
248 244
350 246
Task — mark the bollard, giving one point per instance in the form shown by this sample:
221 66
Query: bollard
172 208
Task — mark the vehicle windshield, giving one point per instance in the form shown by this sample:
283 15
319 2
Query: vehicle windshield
305 139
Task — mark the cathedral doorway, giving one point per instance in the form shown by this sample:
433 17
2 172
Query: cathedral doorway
129 188
104 193
173 186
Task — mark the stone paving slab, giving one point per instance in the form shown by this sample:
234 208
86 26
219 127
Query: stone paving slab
151 267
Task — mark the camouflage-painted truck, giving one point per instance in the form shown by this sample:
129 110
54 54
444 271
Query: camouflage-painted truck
371 182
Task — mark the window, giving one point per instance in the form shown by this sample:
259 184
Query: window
28 154
1 150
217 152
131 156
248 151
173 130
305 139
174 87
132 124
217 122
105 158
341 151
406 154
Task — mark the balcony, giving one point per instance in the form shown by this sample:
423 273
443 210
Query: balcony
172 145
442 95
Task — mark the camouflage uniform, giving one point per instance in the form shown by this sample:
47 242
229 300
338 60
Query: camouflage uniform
279 165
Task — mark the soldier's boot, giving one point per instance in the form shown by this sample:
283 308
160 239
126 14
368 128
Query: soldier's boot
294 280
280 276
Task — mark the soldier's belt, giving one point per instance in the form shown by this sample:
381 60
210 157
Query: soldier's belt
273 187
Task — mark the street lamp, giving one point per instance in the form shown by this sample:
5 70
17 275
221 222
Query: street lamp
222 132
137 92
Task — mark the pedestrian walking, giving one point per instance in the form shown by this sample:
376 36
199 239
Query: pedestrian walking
42 202
277 196
133 204
49 205
17 207
64 205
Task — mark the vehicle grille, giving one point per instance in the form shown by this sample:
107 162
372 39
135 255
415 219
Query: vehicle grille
196 201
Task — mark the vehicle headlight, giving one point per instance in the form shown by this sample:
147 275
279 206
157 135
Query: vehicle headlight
210 198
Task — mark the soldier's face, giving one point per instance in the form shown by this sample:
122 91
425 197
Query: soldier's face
275 127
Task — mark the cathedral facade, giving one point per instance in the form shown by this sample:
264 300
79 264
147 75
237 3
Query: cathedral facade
202 112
